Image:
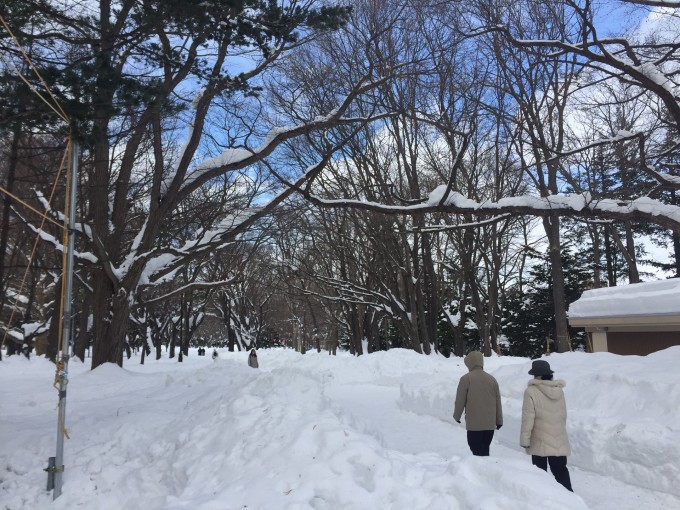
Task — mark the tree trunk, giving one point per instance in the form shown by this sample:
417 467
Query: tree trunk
491 314
180 336
372 328
173 338
552 229
82 339
432 293
52 347
409 296
458 338
676 251
421 302
422 320
6 204
231 334
231 338
597 277
356 333
458 342
109 339
335 340
301 340
634 274
628 252
479 313
159 348
609 255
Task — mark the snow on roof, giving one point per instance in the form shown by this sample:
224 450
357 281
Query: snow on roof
648 298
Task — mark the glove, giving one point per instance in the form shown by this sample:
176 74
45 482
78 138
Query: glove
498 427
457 421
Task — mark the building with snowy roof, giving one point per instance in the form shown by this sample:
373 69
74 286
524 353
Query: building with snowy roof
637 319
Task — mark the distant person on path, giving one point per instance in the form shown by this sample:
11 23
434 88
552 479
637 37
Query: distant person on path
478 394
252 359
544 423
214 354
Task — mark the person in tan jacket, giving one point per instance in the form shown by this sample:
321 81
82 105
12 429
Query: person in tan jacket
478 394
544 423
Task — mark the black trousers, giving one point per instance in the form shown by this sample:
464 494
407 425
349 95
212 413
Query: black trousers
479 441
558 467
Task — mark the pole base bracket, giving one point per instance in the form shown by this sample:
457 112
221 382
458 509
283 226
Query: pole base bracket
51 471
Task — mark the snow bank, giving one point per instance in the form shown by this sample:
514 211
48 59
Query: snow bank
623 419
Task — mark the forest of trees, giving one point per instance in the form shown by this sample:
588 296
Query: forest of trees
425 174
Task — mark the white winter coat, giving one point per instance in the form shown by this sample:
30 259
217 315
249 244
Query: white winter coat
544 419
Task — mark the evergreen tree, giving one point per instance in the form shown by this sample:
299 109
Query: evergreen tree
528 319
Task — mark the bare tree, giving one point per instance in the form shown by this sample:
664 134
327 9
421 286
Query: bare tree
129 124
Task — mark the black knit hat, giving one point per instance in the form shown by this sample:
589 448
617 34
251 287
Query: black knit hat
540 367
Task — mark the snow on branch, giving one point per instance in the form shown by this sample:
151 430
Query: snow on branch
653 73
237 158
161 265
83 256
82 228
578 205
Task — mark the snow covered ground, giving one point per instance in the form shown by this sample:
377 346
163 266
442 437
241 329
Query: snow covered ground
330 433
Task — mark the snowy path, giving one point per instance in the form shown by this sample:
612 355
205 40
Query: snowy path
319 432
375 410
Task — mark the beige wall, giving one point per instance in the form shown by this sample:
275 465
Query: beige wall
599 341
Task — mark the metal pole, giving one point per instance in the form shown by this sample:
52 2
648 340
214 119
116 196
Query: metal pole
67 321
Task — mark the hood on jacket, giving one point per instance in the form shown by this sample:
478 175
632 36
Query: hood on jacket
551 389
474 360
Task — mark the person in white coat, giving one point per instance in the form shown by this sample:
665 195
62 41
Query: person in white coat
544 423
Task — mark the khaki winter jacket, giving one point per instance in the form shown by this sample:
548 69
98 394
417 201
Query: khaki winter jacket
478 394
544 419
